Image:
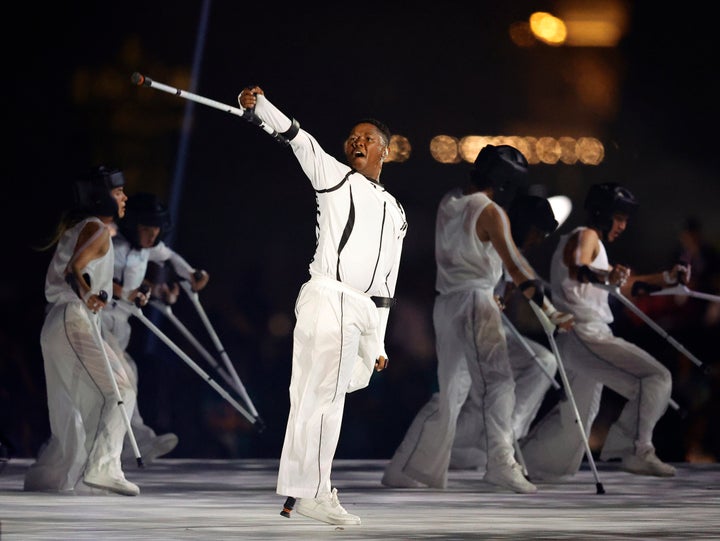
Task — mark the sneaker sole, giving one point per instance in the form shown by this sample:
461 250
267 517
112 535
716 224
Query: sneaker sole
115 489
328 520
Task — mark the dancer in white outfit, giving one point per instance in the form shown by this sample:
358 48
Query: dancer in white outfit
137 243
594 357
86 422
531 220
342 311
472 244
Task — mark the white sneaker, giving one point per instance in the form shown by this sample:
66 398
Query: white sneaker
397 479
509 476
117 483
150 449
647 464
326 508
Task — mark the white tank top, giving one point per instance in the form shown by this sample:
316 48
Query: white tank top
100 270
587 302
463 260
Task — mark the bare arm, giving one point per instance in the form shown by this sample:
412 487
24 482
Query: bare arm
580 251
493 225
90 246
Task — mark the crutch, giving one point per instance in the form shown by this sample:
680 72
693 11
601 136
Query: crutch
166 310
121 404
549 329
195 298
551 377
521 339
137 312
639 286
141 80
682 289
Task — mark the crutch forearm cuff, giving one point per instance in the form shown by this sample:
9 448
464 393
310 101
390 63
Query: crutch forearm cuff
292 131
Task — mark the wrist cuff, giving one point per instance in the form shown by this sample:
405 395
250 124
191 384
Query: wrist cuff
292 131
667 278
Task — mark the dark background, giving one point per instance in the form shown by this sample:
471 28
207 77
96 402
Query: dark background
244 211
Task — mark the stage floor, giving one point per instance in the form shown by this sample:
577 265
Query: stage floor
235 499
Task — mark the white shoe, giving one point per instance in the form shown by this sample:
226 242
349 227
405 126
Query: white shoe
116 483
397 479
647 464
151 449
509 476
326 508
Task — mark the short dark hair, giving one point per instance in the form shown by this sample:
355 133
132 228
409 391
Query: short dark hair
379 125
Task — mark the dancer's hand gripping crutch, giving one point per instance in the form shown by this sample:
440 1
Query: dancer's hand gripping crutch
137 312
550 328
237 384
111 375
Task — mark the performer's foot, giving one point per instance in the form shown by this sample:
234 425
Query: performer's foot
150 449
647 464
326 508
114 483
509 476
396 479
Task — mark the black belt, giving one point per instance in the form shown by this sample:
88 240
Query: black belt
383 302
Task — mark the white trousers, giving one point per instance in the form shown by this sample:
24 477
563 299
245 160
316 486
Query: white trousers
117 331
593 357
473 366
86 423
532 381
331 324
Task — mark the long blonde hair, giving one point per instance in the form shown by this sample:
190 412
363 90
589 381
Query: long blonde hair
68 219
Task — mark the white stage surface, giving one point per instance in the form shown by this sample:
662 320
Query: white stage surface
235 499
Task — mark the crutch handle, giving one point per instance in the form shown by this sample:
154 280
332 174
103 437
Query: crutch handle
144 290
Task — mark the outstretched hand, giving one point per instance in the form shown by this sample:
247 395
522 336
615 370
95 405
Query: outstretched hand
248 96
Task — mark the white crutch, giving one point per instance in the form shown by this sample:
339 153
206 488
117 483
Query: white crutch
195 298
637 286
551 377
166 310
521 339
142 80
682 289
121 404
135 311
549 329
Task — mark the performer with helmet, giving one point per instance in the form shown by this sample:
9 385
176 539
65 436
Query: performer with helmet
472 243
137 244
594 357
86 423
531 220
